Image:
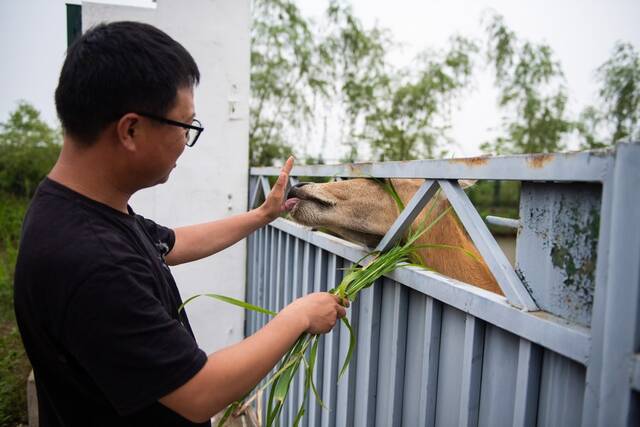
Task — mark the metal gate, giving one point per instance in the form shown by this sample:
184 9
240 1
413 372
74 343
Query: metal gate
560 349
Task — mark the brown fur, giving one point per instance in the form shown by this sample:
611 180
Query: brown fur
361 210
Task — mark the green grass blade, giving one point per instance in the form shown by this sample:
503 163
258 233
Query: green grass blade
352 346
299 415
230 300
311 367
443 246
432 206
230 409
387 185
307 385
270 409
411 240
283 384
394 194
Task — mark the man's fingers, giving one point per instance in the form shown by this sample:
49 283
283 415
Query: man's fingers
343 301
341 312
288 165
284 174
281 182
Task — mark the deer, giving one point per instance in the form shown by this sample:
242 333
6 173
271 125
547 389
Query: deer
361 210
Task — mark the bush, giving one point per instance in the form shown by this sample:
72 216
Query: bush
28 150
14 364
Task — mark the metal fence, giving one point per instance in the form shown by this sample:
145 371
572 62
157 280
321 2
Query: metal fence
560 349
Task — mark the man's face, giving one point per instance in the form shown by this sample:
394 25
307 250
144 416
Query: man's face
165 143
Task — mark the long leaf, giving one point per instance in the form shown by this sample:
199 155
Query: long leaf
352 345
227 414
311 366
230 300
443 246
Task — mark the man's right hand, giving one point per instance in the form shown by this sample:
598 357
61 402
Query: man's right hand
232 372
320 311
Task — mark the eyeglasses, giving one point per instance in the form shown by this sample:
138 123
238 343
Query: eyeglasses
190 136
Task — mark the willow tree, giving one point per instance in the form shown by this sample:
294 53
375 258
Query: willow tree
334 78
358 69
618 118
532 93
413 120
284 78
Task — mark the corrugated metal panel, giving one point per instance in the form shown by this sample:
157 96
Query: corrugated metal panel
369 303
527 384
331 343
391 350
499 374
561 391
421 362
347 396
450 367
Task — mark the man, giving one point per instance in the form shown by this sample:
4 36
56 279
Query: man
95 301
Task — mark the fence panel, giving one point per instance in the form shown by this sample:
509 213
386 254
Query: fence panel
433 351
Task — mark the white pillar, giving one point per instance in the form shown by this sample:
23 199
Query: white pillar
210 181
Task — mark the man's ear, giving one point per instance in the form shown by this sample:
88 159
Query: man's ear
128 130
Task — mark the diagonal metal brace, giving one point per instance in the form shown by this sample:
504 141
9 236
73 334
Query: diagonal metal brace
496 260
262 188
408 215
257 192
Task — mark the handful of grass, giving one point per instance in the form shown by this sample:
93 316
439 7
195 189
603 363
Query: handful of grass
304 351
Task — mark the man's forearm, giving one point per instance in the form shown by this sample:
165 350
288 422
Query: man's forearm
251 359
231 373
201 240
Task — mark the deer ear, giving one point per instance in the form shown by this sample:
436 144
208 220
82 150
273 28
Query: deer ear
466 183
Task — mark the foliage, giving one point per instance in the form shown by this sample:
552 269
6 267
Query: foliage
28 150
14 370
283 78
337 73
531 87
358 70
12 210
333 78
14 364
412 121
619 94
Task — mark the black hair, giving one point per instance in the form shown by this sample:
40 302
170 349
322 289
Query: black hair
117 68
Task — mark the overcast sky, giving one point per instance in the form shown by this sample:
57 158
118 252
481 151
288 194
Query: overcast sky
581 33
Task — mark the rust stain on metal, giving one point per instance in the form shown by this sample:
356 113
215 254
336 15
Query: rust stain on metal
357 168
472 161
539 160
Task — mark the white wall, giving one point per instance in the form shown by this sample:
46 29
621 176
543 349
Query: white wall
210 181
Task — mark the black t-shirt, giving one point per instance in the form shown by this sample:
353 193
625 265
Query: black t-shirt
97 308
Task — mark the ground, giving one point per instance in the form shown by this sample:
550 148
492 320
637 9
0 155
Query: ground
14 364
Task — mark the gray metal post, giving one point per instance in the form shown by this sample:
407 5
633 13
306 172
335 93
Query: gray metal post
621 329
